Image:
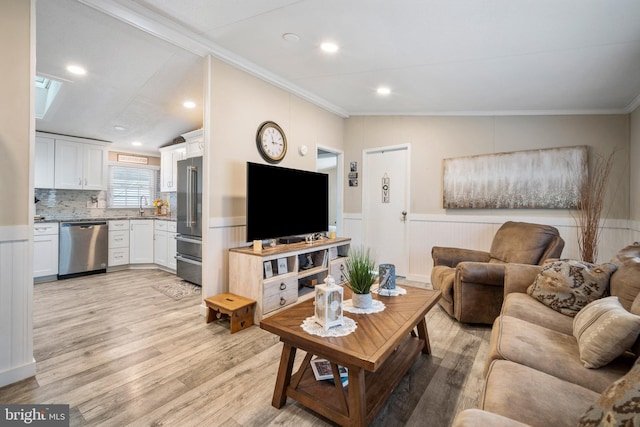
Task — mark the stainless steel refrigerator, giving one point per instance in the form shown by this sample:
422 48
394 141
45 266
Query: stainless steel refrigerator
189 237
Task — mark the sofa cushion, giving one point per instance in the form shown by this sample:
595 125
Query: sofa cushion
551 352
604 330
531 310
625 283
477 417
533 397
569 285
618 405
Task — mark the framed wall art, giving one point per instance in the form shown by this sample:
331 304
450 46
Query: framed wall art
534 179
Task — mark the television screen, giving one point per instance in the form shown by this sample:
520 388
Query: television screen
284 202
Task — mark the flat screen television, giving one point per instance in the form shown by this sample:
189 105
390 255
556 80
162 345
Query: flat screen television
283 202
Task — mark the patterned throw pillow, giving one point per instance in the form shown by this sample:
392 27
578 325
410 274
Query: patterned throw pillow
569 285
604 330
618 405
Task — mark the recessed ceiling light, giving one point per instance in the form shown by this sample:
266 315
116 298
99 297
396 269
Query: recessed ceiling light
383 90
291 37
189 104
76 69
329 47
136 143
119 128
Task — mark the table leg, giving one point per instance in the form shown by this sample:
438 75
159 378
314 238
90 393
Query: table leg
284 375
357 397
424 335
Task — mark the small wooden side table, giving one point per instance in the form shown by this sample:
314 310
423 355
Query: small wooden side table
239 309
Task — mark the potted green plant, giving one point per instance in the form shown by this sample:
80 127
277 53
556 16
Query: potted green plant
360 273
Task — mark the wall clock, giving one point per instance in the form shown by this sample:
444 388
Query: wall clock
271 142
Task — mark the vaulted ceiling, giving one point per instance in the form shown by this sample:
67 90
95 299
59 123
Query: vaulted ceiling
144 58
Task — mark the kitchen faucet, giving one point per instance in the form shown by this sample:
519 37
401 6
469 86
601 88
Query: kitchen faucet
146 202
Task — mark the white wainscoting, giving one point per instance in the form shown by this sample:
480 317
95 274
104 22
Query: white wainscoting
426 231
222 235
16 305
476 232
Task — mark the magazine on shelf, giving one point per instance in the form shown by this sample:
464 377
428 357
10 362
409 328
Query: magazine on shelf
322 370
343 380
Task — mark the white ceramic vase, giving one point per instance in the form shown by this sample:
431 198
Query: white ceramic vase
362 300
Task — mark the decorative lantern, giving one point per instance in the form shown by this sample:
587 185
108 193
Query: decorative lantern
329 304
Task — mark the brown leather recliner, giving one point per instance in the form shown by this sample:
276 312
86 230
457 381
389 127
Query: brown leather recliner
472 281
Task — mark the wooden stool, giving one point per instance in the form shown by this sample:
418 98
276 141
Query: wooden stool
239 309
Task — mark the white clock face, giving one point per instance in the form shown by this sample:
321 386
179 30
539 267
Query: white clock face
272 143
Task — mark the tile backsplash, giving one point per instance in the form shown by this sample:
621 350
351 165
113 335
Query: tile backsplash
76 204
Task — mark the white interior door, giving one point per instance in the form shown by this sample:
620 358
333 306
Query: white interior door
386 205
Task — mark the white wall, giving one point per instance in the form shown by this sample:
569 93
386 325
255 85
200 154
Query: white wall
433 139
238 104
17 48
634 161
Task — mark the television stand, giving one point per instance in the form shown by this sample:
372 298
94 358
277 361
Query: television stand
290 239
279 276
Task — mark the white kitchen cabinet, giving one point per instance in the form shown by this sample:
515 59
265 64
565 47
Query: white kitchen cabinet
118 242
160 243
169 157
80 166
141 241
195 143
44 162
164 245
172 245
45 249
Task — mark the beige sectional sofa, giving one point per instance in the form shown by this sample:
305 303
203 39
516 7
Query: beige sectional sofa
534 374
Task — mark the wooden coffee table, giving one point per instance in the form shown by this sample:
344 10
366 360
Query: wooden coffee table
377 354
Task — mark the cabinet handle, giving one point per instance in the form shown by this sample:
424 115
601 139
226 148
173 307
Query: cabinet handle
282 301
341 267
283 286
131 227
79 181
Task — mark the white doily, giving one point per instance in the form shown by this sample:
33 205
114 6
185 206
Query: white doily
310 326
390 292
376 307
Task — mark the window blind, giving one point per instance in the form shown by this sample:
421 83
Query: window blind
127 185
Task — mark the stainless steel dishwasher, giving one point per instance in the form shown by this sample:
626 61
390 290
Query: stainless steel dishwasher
83 248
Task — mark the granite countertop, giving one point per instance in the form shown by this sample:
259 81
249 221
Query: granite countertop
164 218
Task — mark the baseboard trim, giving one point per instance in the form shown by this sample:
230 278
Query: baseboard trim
18 373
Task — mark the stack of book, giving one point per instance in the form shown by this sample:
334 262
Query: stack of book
322 371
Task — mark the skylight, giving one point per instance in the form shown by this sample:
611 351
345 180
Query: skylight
46 91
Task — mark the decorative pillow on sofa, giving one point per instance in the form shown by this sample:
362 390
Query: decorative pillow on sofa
618 404
604 330
569 285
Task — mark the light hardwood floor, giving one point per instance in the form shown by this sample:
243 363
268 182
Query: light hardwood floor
121 353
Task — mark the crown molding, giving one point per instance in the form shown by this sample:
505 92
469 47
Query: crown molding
633 105
611 111
159 26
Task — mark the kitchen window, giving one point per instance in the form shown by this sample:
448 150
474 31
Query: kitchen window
127 185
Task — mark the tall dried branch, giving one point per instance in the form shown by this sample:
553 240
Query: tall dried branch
591 197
